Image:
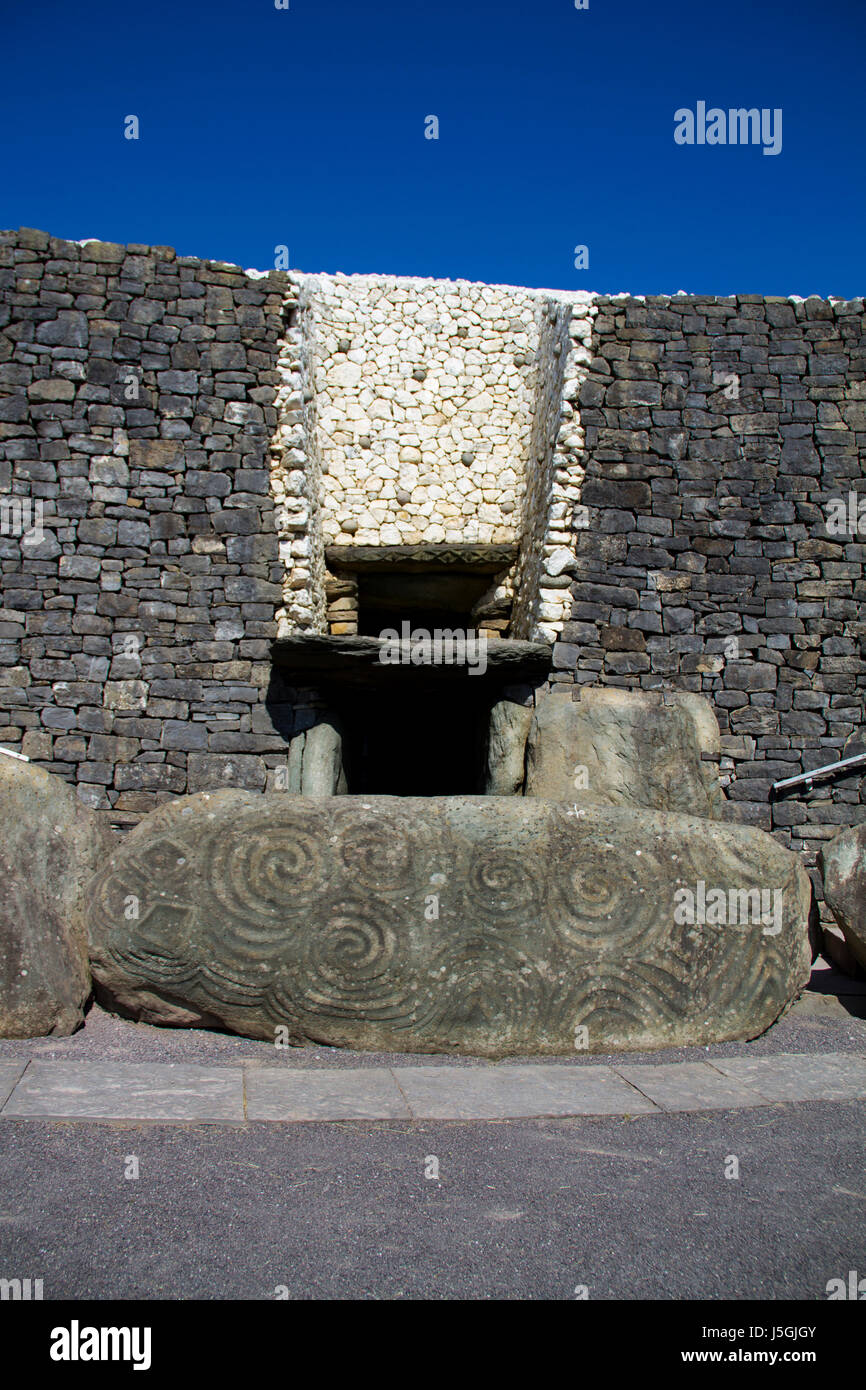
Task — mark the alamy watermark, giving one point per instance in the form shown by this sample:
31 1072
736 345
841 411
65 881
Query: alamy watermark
77 1343
846 516
737 126
22 517
855 1288
440 647
20 1290
730 382
717 907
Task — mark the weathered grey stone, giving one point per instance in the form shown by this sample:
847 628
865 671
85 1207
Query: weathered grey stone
322 766
626 748
843 864
40 545
689 1086
506 748
128 1091
53 389
50 847
508 1092
366 1093
791 1077
295 763
491 926
482 558
835 949
69 329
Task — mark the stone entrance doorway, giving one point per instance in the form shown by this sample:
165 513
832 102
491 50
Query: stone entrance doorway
415 741
374 588
396 728
414 660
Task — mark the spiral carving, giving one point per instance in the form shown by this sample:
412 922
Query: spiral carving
376 852
455 924
636 1000
354 967
274 865
501 884
608 897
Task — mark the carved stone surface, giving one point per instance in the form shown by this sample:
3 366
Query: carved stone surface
489 926
626 748
50 847
481 558
843 863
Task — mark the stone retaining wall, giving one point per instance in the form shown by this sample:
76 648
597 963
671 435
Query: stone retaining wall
137 395
194 436
721 435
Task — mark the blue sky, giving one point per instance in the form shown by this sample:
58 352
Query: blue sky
305 127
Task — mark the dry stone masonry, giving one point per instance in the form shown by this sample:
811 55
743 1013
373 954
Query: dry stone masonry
197 462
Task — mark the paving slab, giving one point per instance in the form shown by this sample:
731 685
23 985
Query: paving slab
127 1091
691 1086
509 1092
833 1076
370 1093
190 1092
10 1073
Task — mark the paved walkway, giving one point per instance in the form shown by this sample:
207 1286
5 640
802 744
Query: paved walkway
159 1092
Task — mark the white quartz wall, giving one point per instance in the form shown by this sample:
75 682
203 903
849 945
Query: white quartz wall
424 393
427 412
296 479
555 470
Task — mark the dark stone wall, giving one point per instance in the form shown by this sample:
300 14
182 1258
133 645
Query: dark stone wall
136 408
137 395
718 432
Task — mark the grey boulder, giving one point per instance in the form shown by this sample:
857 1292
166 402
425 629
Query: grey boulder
315 760
506 748
843 863
50 847
626 748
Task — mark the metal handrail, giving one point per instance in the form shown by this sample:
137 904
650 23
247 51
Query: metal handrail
22 758
828 770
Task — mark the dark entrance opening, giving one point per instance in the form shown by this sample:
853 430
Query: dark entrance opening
415 741
409 728
405 730
425 600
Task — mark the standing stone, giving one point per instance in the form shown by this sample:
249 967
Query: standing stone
843 863
295 762
482 925
626 748
506 748
322 766
50 847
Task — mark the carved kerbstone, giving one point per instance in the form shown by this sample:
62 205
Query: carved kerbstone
488 926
